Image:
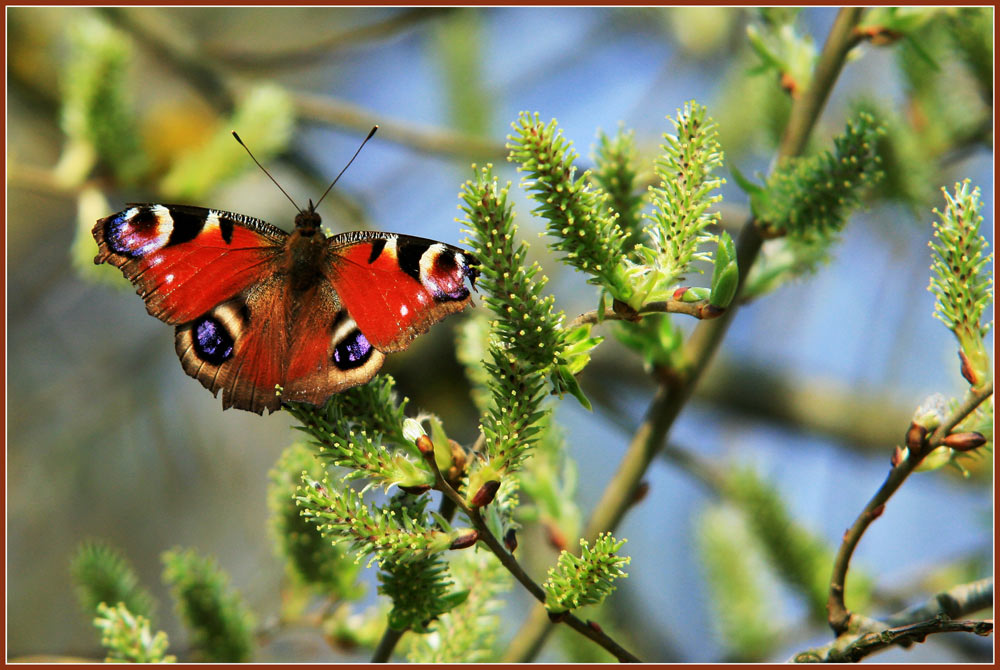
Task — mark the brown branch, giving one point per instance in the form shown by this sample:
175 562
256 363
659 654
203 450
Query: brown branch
701 309
904 636
837 613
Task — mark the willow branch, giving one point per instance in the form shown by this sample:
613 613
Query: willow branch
701 309
508 561
428 139
837 613
305 55
958 601
937 615
677 387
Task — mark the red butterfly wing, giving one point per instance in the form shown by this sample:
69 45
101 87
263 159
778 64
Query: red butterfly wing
186 260
256 308
396 286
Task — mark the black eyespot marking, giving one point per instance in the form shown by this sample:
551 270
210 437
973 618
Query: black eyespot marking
212 342
445 262
377 247
408 255
187 226
352 351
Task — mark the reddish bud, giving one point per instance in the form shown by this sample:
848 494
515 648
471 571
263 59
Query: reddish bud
486 493
967 371
556 537
595 626
915 437
466 540
877 511
679 293
964 441
510 540
879 35
425 445
898 456
416 490
789 84
556 617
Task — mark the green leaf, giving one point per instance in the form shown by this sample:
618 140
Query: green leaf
725 274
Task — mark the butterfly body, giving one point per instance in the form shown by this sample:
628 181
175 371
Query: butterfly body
256 307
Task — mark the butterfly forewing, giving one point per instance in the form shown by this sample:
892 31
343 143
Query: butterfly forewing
397 286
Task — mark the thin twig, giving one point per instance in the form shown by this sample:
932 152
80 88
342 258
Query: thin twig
508 561
701 309
838 614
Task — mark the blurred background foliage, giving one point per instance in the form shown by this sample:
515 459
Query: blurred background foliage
108 438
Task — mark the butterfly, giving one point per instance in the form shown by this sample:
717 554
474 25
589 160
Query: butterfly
255 307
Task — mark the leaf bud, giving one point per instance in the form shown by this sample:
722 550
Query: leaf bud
484 496
965 441
510 540
425 445
967 370
915 437
466 539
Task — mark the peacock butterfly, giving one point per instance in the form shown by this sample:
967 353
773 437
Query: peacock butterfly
256 307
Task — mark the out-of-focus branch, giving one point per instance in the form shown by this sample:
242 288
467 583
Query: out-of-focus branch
839 616
301 55
937 615
427 139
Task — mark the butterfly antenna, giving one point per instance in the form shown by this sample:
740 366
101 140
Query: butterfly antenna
265 171
374 128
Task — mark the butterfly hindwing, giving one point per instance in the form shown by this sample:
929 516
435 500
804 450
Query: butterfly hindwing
309 346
